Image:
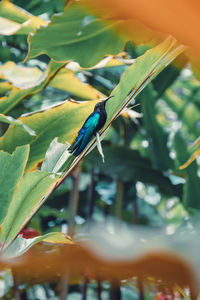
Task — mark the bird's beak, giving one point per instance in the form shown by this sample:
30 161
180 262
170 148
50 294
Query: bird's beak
107 99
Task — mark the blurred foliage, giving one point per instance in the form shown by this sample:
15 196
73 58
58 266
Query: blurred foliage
140 182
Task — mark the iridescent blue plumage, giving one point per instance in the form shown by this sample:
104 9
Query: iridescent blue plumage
91 126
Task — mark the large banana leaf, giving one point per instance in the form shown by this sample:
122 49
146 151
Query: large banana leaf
65 120
26 79
20 196
76 36
191 195
12 168
157 137
17 21
32 84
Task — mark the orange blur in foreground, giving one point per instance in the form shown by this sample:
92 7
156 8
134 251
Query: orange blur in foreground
48 263
180 18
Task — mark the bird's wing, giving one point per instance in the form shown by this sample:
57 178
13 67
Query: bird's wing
77 140
85 134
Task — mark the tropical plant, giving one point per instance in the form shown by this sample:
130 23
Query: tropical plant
150 175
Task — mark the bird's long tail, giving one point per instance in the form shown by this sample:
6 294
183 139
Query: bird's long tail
81 142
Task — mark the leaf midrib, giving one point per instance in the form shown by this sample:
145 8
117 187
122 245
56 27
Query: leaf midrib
85 38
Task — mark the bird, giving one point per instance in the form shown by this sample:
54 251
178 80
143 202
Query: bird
90 128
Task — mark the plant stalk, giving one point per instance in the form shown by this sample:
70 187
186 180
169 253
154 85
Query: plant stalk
84 288
16 292
73 202
64 287
115 292
73 206
140 288
99 289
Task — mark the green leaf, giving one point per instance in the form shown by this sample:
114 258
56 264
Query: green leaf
174 102
191 191
32 84
28 80
76 36
5 87
8 27
12 12
20 76
61 121
65 120
186 110
55 157
66 80
11 120
12 168
30 195
17 21
20 245
142 71
156 135
166 78
129 165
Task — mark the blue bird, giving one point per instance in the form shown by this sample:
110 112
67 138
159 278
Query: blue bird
90 128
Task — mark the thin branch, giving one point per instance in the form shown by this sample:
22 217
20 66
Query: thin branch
99 289
84 288
140 288
64 287
73 204
115 292
16 292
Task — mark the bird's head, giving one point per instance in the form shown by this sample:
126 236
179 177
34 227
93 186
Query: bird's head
101 105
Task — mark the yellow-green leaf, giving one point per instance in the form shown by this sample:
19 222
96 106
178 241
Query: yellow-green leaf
32 84
23 81
60 121
12 168
20 76
66 80
11 120
65 120
30 195
75 35
20 245
14 20
190 160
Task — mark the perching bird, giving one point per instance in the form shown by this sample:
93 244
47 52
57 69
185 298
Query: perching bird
92 125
